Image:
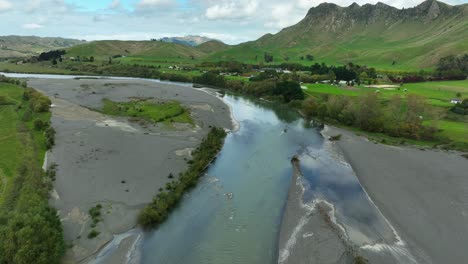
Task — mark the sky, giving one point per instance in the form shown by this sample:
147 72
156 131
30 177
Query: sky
231 21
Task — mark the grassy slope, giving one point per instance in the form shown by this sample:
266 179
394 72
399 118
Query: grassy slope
161 50
12 141
212 46
12 149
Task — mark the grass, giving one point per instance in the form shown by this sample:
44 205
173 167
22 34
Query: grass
438 93
12 137
12 149
166 112
455 131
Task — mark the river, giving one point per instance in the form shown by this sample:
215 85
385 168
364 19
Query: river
234 214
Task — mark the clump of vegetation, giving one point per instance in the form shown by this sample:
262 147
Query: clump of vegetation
360 260
165 201
461 109
93 233
37 102
295 158
50 137
39 124
52 171
95 213
143 109
335 138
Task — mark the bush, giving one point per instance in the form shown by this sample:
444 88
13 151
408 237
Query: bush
50 137
93 233
39 124
335 138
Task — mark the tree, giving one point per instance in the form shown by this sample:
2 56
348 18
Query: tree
309 57
310 107
268 57
363 76
289 90
368 113
91 59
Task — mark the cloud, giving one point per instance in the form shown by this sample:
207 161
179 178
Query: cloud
5 5
115 4
232 9
155 3
99 18
32 26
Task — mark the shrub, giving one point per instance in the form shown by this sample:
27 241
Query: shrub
335 138
39 124
93 233
50 137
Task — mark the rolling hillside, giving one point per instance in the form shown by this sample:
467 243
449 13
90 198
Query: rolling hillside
108 48
377 35
190 40
212 46
23 46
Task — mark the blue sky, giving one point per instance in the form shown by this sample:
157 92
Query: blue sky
232 21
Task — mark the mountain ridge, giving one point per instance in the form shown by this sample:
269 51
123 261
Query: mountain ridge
189 40
378 35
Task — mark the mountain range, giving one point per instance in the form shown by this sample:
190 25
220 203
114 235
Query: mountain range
377 35
190 40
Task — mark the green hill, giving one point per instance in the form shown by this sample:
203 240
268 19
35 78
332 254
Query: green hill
377 35
23 46
109 48
212 46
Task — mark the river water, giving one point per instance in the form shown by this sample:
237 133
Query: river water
234 214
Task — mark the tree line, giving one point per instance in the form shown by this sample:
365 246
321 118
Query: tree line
397 118
166 200
273 87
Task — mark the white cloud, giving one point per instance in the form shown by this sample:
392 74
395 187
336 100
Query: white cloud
5 5
32 26
283 15
32 6
122 36
232 9
115 4
155 3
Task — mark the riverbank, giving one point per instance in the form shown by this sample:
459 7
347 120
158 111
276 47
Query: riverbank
113 161
422 193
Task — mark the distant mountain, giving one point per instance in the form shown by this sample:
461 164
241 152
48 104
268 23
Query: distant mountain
192 41
22 46
377 35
